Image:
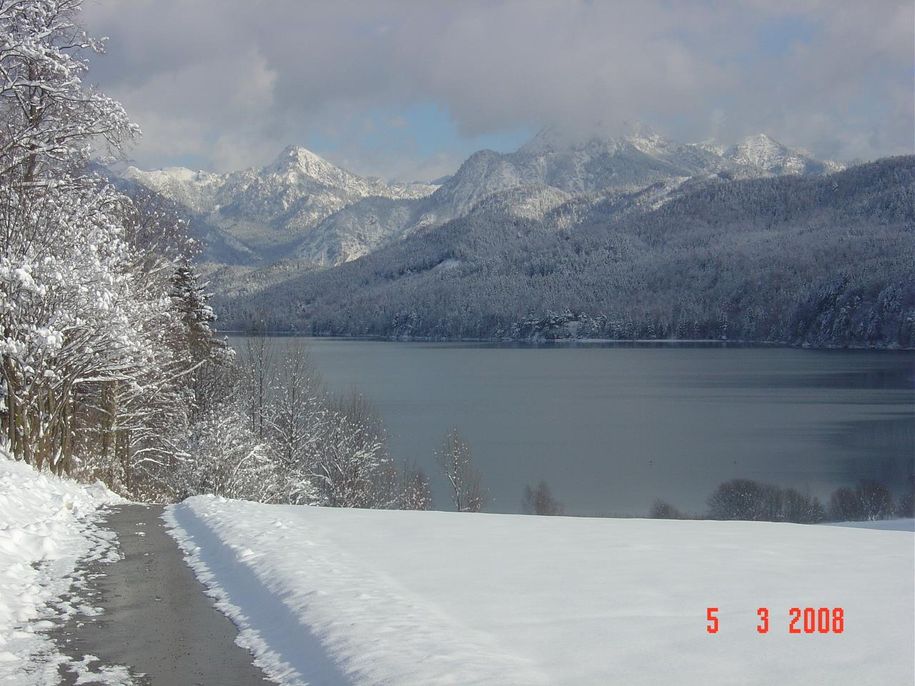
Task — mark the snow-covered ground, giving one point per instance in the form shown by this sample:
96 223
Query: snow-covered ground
378 597
46 525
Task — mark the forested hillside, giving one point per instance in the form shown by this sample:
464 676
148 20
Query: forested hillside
824 261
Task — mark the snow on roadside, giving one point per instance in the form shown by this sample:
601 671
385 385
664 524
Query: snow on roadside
330 596
47 525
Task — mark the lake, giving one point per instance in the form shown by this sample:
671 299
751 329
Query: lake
611 428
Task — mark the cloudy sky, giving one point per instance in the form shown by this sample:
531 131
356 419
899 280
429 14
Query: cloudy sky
408 88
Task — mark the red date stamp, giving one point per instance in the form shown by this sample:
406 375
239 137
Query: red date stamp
806 620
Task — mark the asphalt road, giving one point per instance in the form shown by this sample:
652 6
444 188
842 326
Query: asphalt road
157 621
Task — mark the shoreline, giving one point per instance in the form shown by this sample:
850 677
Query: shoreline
573 342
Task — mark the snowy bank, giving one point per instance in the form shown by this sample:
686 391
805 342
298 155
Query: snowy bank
47 524
329 596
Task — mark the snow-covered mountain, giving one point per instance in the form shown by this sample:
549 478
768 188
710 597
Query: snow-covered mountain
303 207
566 169
626 163
195 190
800 259
555 175
271 209
763 154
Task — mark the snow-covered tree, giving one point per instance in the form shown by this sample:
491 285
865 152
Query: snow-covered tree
91 367
258 368
71 321
191 301
296 416
50 118
415 493
465 484
350 465
224 458
331 452
745 499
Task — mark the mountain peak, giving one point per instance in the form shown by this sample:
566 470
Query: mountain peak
299 153
547 139
761 138
645 139
298 157
760 142
296 164
764 153
551 139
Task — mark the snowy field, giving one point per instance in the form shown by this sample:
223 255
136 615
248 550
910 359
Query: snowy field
329 596
46 525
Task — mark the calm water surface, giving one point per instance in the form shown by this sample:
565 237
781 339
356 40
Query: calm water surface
613 428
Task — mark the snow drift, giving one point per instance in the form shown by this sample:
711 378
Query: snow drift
47 524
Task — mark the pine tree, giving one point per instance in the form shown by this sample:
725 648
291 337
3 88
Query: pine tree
191 301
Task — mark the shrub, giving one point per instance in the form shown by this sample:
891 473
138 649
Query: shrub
540 501
663 510
745 499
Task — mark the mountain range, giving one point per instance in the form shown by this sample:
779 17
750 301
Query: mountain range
794 259
257 216
302 208
628 237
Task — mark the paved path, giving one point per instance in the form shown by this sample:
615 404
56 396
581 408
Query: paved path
157 620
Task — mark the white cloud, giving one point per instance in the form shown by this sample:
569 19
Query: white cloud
233 81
